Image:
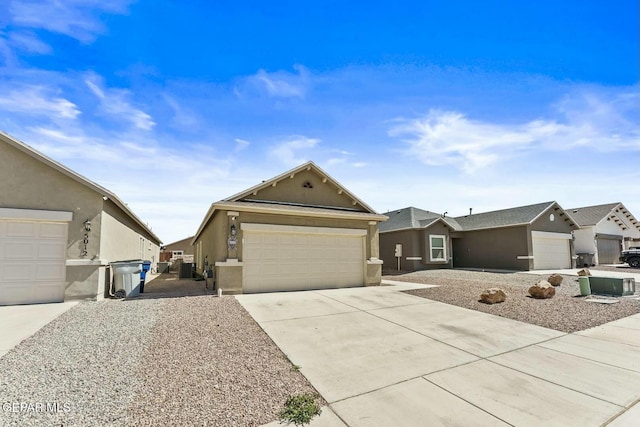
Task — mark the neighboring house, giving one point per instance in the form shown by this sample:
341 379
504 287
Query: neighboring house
413 239
59 231
182 249
605 231
299 230
530 237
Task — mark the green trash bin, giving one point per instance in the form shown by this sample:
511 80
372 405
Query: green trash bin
585 288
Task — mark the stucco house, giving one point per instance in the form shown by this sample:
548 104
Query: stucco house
59 231
605 231
181 249
299 230
414 239
523 238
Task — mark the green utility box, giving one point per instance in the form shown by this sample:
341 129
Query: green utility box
612 286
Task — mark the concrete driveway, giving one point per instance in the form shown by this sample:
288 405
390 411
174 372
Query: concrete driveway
19 322
381 357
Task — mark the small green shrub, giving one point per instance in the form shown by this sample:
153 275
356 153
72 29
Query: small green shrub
299 409
296 367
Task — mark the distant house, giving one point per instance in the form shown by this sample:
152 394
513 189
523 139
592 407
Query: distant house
605 230
300 230
59 231
414 239
182 249
529 237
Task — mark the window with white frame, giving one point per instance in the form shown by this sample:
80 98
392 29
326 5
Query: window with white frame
438 247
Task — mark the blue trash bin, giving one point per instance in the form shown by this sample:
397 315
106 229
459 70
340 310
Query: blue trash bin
146 266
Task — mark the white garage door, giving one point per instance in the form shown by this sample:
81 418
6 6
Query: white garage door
32 261
551 250
288 258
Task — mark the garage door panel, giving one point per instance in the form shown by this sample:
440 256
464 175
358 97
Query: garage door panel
17 295
550 253
609 250
53 231
55 250
50 272
17 272
21 229
307 261
32 261
16 249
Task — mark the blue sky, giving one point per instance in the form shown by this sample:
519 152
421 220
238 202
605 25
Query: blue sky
444 106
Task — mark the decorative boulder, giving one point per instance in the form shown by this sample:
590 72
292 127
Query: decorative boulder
492 296
555 279
542 290
584 272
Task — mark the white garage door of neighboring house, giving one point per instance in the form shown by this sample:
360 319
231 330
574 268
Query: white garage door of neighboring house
32 256
551 250
288 258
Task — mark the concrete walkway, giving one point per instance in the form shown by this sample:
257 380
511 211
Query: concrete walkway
19 322
381 357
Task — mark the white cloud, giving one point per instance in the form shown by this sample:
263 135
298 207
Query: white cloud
27 40
38 100
290 152
281 84
182 117
241 144
115 103
79 19
449 138
583 119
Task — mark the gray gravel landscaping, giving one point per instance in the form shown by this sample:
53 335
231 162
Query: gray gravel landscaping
157 360
84 362
209 363
567 311
181 356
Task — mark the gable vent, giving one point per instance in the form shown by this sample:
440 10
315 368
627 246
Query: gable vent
307 184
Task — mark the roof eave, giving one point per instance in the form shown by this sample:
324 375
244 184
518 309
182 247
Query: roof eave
305 166
78 178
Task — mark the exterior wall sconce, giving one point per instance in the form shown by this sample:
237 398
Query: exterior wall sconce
87 225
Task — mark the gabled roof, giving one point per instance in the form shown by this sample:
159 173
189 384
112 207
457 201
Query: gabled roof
243 202
412 218
309 166
591 215
106 194
521 215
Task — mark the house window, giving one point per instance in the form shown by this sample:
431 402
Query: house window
438 247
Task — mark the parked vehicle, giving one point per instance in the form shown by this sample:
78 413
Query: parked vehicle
631 257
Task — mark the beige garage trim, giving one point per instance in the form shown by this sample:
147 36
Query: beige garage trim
288 258
33 248
551 250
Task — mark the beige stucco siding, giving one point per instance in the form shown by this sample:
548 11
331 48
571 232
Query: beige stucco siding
294 191
122 239
30 184
212 247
